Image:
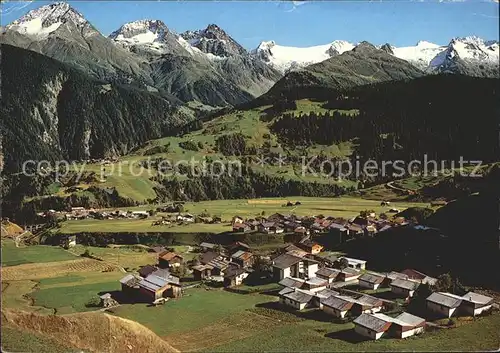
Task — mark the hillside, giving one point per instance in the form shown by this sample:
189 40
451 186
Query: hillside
60 113
94 332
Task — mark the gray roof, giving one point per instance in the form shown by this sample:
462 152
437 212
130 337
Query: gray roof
369 300
299 296
208 245
326 293
447 299
328 272
233 271
285 261
395 275
338 302
404 283
286 290
371 278
374 322
166 275
477 298
350 271
317 281
105 296
408 319
291 282
152 283
126 279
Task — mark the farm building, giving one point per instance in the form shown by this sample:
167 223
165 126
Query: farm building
375 326
348 274
234 276
368 304
315 284
70 241
406 325
372 325
445 304
160 285
322 295
296 298
169 259
419 277
241 228
208 256
391 276
337 306
370 280
130 284
474 304
207 246
403 287
201 272
327 273
242 258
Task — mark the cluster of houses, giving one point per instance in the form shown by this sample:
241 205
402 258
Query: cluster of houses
296 226
230 264
311 281
79 213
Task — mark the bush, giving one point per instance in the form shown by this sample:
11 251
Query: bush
188 145
95 301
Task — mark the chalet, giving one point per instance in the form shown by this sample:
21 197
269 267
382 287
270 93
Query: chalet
474 304
219 265
419 277
169 259
393 275
310 246
406 325
444 304
234 276
330 260
296 251
337 306
238 246
145 271
157 286
348 274
241 228
327 273
202 272
355 263
370 280
354 230
243 258
301 230
296 298
373 326
403 287
287 265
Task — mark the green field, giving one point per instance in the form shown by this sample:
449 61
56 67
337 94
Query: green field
12 256
17 340
346 207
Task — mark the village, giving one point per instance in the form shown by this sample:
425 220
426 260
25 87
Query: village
397 304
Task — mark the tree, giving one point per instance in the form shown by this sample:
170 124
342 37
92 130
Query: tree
261 264
343 263
443 283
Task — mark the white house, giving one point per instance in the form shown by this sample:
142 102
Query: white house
355 263
444 304
373 326
406 325
474 304
287 265
337 305
296 298
329 274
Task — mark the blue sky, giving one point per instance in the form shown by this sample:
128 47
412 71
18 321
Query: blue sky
300 23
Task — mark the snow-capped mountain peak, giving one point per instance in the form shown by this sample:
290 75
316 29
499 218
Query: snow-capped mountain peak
141 32
284 58
214 40
47 19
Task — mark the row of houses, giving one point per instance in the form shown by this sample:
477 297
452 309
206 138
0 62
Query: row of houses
301 226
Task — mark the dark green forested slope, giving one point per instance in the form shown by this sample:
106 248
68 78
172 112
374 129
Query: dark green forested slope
51 111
